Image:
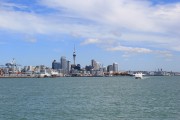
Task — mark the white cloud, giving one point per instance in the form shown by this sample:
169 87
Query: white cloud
130 49
102 22
132 14
11 6
91 41
102 42
22 22
165 54
134 20
176 48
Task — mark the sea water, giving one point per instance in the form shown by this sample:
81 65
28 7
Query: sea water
90 98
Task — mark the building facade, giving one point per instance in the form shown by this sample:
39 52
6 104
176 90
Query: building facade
110 68
95 65
56 65
63 63
115 67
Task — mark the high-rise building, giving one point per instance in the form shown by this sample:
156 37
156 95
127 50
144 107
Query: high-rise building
56 65
63 63
68 66
94 64
115 67
109 68
104 69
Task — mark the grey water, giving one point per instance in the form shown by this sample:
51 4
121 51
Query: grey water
90 98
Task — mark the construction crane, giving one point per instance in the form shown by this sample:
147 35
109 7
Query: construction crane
13 67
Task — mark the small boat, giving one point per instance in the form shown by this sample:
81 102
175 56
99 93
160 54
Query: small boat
138 75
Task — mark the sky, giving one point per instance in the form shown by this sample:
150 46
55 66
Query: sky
136 34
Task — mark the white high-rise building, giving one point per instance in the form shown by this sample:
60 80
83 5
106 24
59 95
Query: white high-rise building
63 63
115 67
94 64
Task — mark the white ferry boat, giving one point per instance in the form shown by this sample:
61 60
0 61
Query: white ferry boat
138 75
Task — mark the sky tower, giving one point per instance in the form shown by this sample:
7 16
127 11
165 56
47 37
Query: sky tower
74 55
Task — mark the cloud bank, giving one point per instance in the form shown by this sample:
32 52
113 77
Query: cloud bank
127 26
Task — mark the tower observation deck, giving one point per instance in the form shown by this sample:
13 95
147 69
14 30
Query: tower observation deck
74 56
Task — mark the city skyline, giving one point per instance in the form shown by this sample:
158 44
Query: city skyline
136 34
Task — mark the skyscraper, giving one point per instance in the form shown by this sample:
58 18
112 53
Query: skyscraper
115 67
68 66
56 65
109 68
63 63
95 65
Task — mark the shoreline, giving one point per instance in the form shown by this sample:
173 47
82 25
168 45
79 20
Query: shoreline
1 77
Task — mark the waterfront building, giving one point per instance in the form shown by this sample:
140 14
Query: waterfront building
28 68
38 68
12 67
63 63
104 69
56 65
95 65
160 72
110 68
45 73
78 67
88 68
68 66
6 70
115 67
98 66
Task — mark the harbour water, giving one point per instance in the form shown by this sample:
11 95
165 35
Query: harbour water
88 98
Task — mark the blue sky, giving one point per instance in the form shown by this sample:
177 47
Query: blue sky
137 34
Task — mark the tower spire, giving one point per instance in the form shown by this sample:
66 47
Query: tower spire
74 55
